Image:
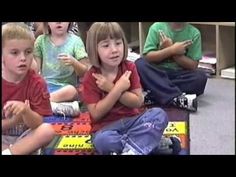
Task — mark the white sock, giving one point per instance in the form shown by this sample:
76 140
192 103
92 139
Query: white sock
6 152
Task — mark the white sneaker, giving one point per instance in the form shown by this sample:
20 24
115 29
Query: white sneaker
66 108
129 150
186 101
113 153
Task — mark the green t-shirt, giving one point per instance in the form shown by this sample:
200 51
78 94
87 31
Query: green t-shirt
53 70
189 32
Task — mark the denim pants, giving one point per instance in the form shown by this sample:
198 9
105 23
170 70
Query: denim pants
163 85
142 132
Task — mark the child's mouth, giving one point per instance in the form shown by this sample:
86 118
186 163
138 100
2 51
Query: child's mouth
22 66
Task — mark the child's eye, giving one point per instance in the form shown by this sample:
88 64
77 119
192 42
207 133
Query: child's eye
105 45
28 51
118 43
14 52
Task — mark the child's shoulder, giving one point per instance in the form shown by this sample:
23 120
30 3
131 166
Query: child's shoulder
128 64
35 78
42 37
159 25
91 71
74 37
193 29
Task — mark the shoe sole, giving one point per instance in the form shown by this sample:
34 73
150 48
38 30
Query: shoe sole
194 106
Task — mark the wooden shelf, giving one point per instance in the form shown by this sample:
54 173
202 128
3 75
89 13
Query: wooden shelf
215 23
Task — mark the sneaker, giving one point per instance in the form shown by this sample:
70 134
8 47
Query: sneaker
113 153
168 146
129 150
66 108
147 98
186 101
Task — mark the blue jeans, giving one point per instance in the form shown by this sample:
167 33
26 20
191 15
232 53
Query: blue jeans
142 132
164 85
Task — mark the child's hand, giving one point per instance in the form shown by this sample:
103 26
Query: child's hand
66 59
102 82
15 108
179 48
124 83
164 40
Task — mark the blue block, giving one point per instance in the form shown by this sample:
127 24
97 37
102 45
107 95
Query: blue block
57 119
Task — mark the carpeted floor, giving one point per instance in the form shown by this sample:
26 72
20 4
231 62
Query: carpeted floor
213 125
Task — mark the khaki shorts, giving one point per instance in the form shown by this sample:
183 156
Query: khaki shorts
10 140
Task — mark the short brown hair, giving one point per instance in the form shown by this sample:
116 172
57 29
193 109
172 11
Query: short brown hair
16 31
100 31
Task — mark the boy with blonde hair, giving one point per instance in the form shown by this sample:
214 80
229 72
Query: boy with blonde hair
25 98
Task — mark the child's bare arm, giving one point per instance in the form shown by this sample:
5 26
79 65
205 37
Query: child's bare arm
10 122
186 62
17 108
102 107
132 99
159 55
79 67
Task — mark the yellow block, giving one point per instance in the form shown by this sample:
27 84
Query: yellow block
75 142
176 128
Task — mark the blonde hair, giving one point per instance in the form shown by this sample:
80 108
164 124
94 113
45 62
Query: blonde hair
47 30
16 31
100 31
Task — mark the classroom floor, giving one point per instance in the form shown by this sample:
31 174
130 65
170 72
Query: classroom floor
212 127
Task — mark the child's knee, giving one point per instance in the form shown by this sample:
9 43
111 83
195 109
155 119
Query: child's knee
157 116
101 139
200 82
201 76
46 131
139 63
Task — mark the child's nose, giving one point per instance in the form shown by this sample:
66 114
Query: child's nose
22 56
113 48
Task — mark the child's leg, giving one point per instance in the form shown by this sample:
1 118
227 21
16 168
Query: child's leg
142 133
110 138
6 142
108 141
67 93
157 81
190 82
145 132
36 139
4 146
